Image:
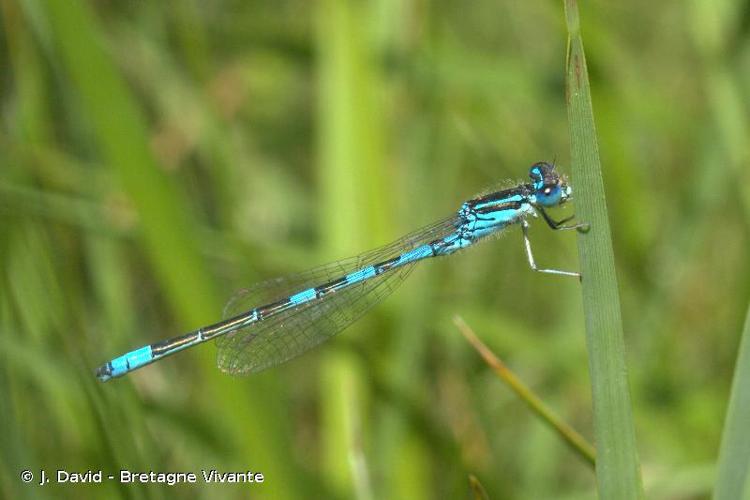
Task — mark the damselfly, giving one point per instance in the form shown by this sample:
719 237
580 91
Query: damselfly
277 320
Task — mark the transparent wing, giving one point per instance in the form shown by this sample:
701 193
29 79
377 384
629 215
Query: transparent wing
275 289
288 334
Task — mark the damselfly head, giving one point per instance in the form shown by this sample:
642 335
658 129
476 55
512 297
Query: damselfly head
550 188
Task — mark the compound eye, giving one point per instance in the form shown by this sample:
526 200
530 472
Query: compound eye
547 191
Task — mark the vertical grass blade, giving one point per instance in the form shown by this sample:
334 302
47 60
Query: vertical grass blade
167 231
349 131
617 468
734 455
122 138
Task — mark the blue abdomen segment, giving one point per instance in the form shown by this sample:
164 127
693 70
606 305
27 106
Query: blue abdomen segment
125 363
302 297
419 253
360 275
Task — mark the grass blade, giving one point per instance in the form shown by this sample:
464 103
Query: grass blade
477 490
573 439
122 137
167 232
617 469
734 456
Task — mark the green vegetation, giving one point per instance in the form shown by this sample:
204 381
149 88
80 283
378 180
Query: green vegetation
617 469
158 156
734 461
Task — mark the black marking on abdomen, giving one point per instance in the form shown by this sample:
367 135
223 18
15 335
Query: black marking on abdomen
273 308
382 267
331 286
509 205
160 348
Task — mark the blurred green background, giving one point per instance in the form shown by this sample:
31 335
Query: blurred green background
157 156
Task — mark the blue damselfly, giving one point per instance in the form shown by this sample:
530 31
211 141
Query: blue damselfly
277 320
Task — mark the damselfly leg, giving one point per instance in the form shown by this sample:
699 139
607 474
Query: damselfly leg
532 262
581 227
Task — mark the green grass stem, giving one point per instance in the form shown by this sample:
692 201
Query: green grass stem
570 436
734 456
617 468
